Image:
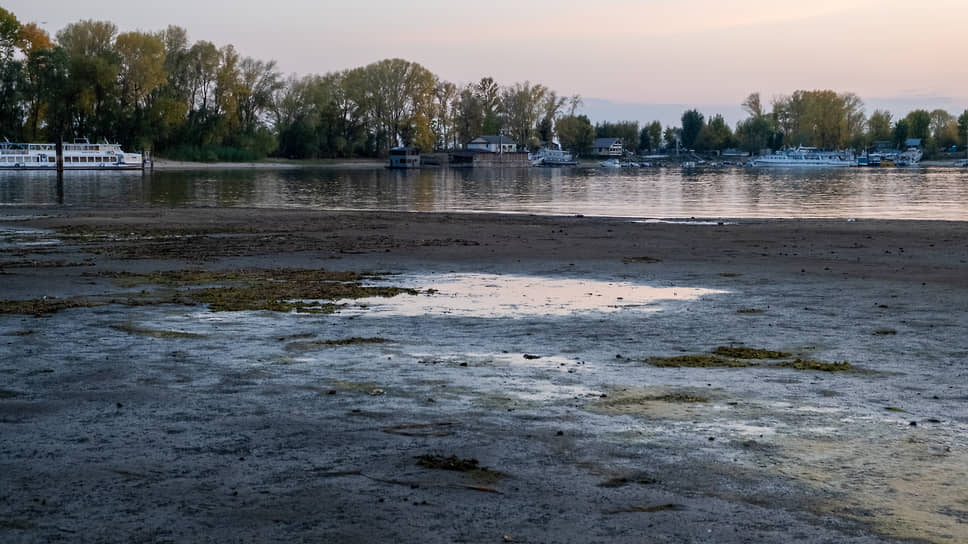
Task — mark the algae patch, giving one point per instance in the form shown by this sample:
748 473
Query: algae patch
640 260
749 353
284 290
697 361
45 306
801 364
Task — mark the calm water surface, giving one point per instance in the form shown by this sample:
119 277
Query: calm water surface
889 193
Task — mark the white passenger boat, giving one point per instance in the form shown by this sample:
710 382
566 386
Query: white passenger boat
80 155
806 156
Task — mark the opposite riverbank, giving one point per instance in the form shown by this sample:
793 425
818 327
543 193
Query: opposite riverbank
135 412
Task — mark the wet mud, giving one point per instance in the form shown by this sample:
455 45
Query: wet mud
526 387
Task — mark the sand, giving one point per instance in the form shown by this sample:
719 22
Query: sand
526 350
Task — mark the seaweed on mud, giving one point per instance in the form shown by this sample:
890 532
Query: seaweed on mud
749 353
802 364
750 311
454 463
884 332
282 290
697 361
640 260
730 274
45 306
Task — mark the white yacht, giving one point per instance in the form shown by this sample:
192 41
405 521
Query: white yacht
80 155
806 156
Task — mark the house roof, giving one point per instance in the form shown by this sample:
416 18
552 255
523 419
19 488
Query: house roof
493 140
606 142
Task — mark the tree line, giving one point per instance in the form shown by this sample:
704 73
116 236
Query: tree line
196 101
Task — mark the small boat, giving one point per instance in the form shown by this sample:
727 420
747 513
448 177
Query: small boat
689 164
611 163
80 155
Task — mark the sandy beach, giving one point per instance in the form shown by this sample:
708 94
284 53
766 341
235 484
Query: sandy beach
479 378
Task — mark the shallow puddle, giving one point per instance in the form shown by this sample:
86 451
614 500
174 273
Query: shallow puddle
514 296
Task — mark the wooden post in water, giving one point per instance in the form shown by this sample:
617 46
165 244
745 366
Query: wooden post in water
59 149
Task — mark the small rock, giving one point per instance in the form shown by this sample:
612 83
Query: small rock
560 433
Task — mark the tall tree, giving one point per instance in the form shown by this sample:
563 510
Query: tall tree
576 133
692 122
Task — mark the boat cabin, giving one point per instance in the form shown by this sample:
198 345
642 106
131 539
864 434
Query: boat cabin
404 157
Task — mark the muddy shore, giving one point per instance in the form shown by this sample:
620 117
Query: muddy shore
547 349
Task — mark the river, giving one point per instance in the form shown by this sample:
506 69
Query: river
897 193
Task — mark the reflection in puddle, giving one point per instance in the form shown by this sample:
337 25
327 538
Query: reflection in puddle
509 296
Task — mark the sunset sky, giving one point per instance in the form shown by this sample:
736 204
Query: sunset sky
629 59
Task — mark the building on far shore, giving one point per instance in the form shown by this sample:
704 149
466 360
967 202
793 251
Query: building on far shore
608 147
490 151
494 144
404 157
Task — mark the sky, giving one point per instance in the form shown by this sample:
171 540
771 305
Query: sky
628 59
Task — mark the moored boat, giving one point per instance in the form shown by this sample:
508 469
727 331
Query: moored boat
806 156
80 155
552 157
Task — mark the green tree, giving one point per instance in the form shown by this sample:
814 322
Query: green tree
963 128
522 105
628 131
902 131
879 126
919 124
715 135
754 133
575 133
655 134
692 122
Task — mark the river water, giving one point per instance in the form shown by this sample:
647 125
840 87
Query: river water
886 193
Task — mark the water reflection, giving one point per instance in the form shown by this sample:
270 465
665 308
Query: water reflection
512 296
915 193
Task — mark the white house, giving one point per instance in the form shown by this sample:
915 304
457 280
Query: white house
494 144
608 147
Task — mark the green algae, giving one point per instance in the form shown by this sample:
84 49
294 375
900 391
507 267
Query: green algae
283 290
640 260
801 364
46 306
697 361
749 353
